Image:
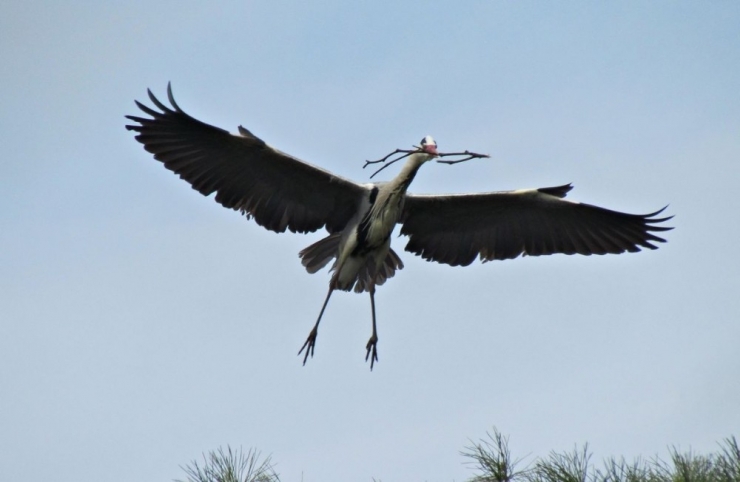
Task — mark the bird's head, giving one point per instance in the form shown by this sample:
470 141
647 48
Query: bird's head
428 146
425 151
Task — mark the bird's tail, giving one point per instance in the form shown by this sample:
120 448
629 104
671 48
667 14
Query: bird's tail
391 263
318 255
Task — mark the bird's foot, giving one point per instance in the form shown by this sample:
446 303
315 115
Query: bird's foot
372 346
309 344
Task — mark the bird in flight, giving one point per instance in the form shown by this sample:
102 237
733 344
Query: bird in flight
282 192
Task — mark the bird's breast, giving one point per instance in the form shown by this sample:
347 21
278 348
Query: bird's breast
376 226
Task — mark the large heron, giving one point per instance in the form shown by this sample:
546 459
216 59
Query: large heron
282 192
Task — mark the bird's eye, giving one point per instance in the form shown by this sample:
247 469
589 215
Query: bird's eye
423 141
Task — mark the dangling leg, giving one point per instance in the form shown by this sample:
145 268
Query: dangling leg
311 340
373 341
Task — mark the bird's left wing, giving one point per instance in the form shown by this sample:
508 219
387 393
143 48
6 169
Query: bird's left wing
280 191
455 229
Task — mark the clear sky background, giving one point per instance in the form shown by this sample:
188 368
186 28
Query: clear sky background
142 324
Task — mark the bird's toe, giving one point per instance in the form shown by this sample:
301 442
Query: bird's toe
372 351
309 345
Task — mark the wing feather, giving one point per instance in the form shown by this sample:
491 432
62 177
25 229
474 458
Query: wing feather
455 229
280 191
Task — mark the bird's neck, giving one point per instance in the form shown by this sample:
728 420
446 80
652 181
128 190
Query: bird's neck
408 172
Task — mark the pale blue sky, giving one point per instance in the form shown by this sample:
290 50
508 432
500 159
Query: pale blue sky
142 324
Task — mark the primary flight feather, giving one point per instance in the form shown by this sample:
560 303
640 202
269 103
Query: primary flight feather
283 193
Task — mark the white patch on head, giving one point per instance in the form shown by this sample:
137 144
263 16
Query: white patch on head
428 141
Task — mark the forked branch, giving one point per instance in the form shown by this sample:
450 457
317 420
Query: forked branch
471 155
408 152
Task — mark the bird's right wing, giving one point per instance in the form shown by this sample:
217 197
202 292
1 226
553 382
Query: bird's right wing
455 229
280 191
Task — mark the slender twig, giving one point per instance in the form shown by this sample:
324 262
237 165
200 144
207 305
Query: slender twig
471 155
389 163
397 151
408 152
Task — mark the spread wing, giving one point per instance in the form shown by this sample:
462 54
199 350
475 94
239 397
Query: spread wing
280 191
455 229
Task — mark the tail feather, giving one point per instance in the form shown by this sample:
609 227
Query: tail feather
391 263
318 255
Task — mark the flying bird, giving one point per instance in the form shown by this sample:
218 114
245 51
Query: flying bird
282 192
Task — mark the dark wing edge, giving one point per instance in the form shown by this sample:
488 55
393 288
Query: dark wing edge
279 191
457 229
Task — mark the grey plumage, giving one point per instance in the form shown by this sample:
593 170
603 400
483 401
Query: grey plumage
283 193
457 229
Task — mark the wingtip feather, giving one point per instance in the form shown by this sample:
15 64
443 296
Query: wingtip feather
171 98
